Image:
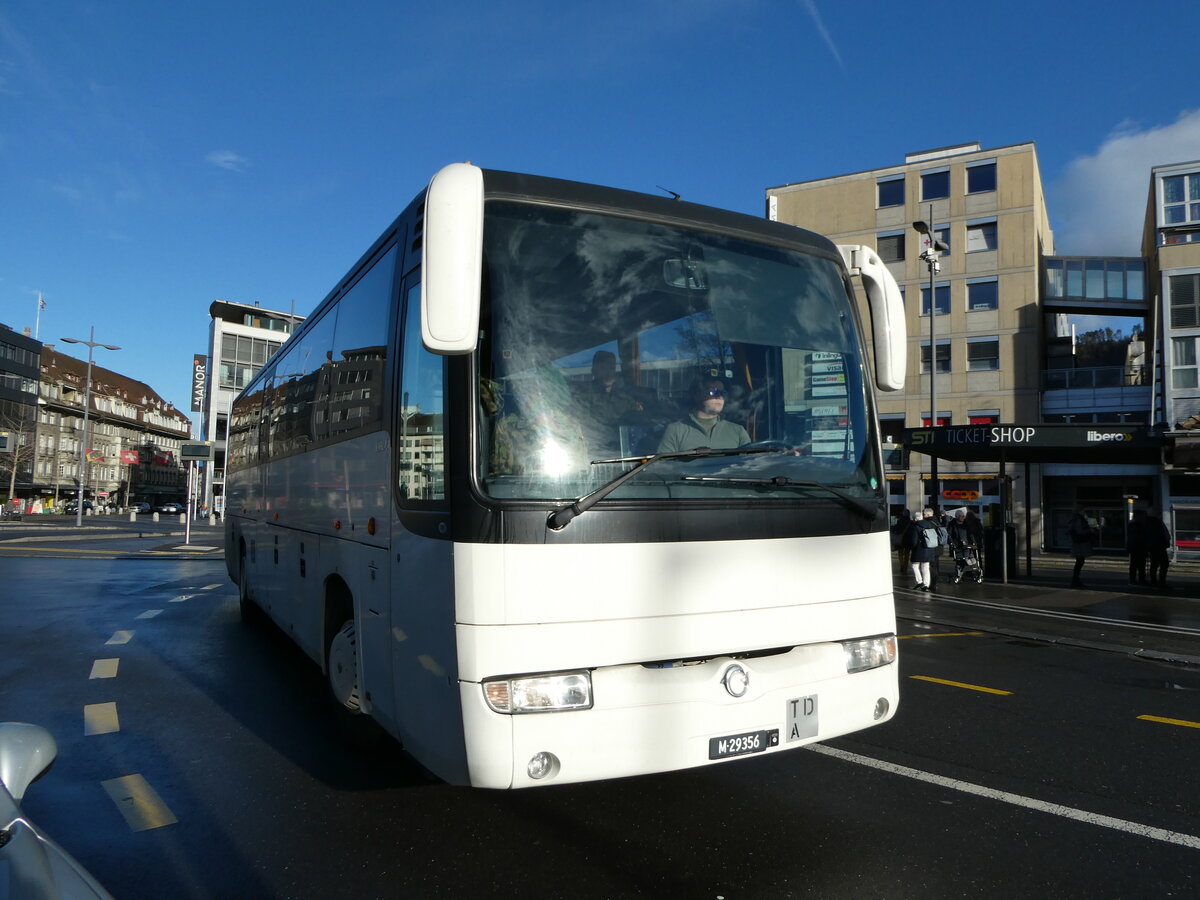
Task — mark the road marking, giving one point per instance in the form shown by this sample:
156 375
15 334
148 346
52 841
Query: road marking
181 598
211 587
139 803
1184 722
120 637
959 684
943 634
104 668
100 718
1055 809
149 614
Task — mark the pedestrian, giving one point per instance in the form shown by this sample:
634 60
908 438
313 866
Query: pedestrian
941 521
899 539
923 545
1135 543
1083 537
1158 543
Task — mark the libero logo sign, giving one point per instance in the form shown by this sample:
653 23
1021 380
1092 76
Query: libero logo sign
1109 437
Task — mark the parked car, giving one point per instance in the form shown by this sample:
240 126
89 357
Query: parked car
140 508
31 864
172 508
73 505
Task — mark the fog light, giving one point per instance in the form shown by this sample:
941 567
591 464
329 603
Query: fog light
881 708
542 765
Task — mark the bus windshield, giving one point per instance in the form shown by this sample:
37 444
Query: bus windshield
606 340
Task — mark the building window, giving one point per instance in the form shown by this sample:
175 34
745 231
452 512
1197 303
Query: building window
983 354
891 192
935 185
890 246
1185 299
1183 363
983 294
1181 199
943 299
943 419
943 357
981 236
981 178
983 416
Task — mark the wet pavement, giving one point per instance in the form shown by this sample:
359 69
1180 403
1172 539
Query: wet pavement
112 537
1039 603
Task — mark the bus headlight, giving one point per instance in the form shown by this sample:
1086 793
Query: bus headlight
539 693
870 653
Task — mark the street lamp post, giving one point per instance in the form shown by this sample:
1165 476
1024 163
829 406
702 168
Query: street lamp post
92 344
931 255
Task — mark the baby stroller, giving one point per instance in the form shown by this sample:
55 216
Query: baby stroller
967 564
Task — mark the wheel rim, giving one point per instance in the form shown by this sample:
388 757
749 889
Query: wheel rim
343 667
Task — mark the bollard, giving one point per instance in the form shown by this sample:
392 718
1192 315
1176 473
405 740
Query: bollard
154 518
183 518
133 515
212 520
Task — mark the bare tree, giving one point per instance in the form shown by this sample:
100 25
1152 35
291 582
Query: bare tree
19 426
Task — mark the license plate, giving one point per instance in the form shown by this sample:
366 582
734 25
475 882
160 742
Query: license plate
802 718
741 744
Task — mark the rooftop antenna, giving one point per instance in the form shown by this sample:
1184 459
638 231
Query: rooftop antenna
665 191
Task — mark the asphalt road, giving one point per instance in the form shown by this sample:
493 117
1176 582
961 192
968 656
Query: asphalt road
207 762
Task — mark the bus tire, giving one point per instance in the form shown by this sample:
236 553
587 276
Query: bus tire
250 612
341 667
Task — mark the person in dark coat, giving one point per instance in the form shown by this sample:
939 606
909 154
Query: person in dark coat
900 540
1083 537
1135 543
922 554
1158 543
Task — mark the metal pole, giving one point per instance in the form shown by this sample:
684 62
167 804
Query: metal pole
931 261
92 344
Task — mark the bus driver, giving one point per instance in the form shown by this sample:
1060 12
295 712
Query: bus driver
704 427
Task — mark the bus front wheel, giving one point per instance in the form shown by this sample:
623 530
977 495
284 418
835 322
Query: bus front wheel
342 667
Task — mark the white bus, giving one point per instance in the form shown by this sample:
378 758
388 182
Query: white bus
564 483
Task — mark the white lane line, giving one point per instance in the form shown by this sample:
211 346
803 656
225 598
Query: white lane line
149 614
1066 812
120 637
100 718
181 598
105 668
211 587
139 803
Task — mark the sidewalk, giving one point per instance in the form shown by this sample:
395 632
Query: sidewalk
159 539
1107 613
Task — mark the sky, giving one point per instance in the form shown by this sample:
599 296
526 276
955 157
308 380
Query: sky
157 156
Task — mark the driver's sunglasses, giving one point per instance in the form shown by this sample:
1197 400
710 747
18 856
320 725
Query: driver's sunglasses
716 392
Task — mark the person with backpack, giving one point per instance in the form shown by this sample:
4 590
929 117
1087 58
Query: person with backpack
925 546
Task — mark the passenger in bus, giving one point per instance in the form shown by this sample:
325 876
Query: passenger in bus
704 427
540 436
605 403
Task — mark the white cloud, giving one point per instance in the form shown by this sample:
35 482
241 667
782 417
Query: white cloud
1099 205
227 159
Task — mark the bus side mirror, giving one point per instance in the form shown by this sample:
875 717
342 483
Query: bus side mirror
887 314
452 260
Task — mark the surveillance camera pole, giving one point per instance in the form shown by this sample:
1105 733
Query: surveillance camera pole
931 256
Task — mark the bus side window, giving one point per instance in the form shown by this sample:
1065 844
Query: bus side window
421 445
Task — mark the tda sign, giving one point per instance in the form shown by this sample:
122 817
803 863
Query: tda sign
199 381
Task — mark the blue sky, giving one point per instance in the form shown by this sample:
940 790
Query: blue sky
157 156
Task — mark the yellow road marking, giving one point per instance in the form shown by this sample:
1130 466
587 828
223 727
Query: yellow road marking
100 718
1184 722
959 684
120 637
104 668
943 634
139 803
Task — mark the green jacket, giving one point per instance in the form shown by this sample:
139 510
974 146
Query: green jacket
690 434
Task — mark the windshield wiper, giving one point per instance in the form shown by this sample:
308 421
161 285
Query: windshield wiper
560 518
867 510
